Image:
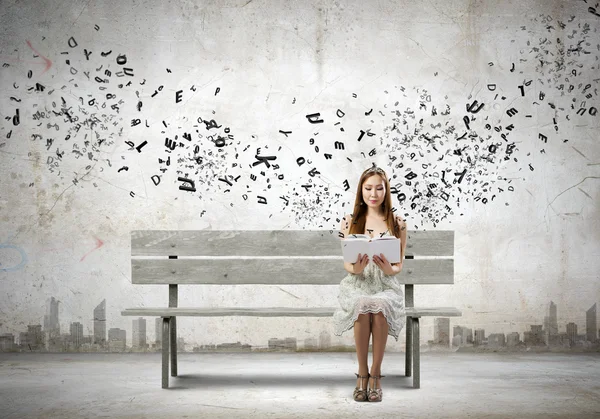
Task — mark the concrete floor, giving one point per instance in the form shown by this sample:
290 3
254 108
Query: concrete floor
307 385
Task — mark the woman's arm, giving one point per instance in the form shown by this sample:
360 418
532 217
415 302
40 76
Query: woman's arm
344 230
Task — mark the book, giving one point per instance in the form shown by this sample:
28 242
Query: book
364 244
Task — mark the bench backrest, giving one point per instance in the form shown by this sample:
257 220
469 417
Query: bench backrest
272 257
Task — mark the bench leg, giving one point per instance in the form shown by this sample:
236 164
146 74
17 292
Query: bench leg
416 353
408 360
173 339
165 352
173 303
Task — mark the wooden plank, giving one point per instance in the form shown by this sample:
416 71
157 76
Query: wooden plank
433 311
271 311
230 311
270 242
430 243
275 271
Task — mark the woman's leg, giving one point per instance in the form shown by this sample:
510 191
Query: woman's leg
362 333
380 334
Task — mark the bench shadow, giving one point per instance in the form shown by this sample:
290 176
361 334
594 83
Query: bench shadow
266 380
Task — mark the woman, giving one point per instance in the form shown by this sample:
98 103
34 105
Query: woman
371 298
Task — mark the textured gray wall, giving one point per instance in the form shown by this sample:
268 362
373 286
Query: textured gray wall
84 156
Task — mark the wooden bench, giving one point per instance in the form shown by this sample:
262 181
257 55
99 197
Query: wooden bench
285 257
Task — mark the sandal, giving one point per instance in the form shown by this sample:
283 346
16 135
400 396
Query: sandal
375 394
360 393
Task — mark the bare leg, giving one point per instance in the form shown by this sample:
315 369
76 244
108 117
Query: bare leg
380 334
362 333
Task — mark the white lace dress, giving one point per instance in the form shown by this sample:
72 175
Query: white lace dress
377 292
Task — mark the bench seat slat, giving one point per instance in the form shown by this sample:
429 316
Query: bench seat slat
270 242
230 311
433 311
275 271
271 311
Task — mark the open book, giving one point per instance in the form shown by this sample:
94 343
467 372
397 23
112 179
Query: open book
364 244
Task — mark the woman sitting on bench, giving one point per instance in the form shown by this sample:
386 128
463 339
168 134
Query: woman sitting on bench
371 298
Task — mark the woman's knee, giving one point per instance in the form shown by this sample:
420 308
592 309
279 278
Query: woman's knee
364 318
379 318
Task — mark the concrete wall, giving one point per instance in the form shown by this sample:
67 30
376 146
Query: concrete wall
498 98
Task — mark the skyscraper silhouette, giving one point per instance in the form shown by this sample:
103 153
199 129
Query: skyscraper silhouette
139 333
590 324
51 324
100 323
551 325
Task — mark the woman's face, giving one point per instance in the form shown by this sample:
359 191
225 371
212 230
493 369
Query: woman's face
374 191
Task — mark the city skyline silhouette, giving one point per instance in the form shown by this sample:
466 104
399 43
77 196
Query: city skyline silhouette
49 338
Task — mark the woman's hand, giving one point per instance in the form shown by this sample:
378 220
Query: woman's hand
385 266
361 262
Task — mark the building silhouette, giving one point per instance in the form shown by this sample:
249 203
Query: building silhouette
311 343
590 324
551 325
535 336
513 339
22 340
324 340
51 324
76 334
117 339
497 339
158 324
479 337
441 331
139 333
572 333
34 338
278 344
462 336
100 323
236 347
7 342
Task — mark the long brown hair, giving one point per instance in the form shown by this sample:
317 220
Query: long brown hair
359 218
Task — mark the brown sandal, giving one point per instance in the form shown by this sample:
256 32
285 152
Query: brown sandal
375 394
360 393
